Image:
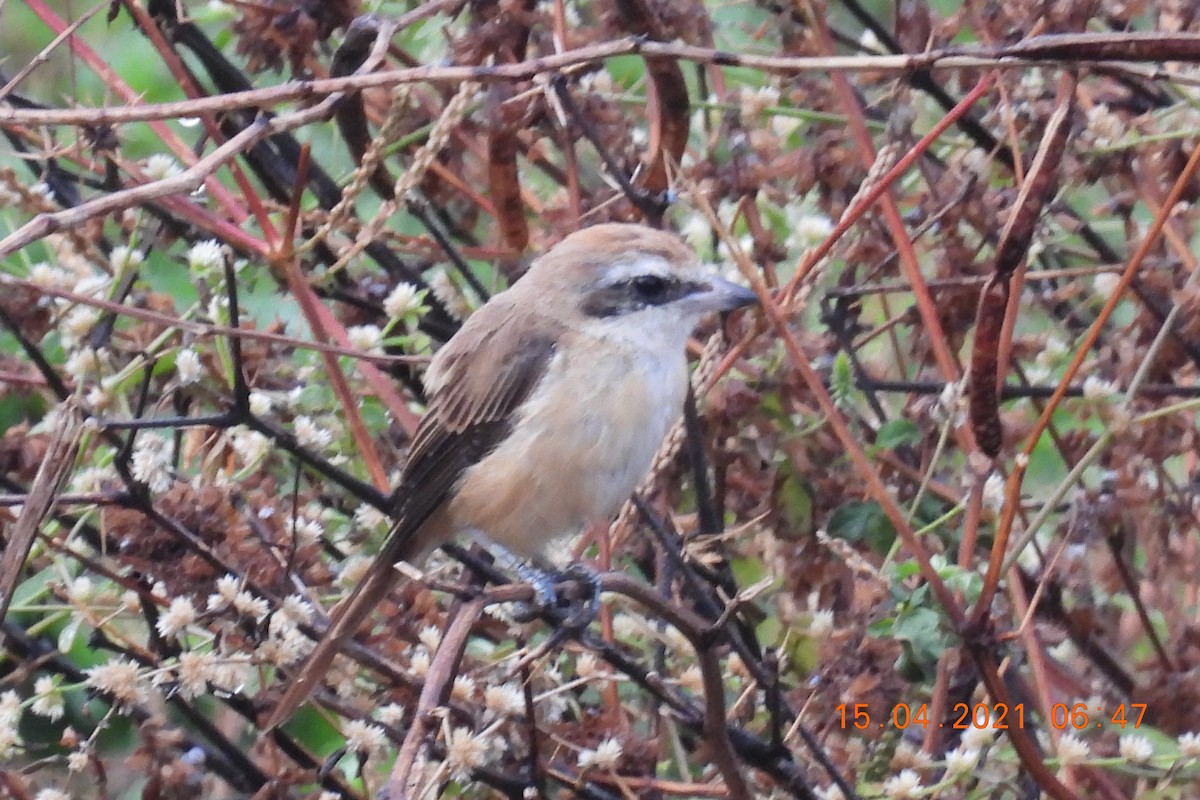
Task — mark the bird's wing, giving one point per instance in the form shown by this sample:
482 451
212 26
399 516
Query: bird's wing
471 408
481 379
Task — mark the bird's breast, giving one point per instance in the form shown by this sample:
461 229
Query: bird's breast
578 448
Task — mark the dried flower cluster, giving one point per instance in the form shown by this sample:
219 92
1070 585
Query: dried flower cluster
931 533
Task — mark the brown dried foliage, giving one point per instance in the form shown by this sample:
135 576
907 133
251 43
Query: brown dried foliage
271 32
772 152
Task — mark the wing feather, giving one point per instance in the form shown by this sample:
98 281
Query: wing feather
477 382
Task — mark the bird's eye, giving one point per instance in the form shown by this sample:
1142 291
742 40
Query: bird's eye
650 287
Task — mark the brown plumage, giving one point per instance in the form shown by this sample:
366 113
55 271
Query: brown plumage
545 409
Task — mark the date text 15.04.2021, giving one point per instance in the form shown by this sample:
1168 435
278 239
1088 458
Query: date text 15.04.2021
1063 716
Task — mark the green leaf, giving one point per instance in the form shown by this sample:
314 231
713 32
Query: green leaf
841 380
28 591
170 278
770 631
903 570
919 626
966 582
919 630
897 433
313 730
795 503
626 70
863 522
69 633
747 571
803 655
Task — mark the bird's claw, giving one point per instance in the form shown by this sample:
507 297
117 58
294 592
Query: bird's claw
574 613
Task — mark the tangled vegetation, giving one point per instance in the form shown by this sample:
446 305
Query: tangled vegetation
928 529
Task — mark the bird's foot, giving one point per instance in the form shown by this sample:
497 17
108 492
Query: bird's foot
575 608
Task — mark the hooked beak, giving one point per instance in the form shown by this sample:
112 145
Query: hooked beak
721 295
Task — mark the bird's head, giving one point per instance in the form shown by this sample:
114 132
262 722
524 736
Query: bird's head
634 277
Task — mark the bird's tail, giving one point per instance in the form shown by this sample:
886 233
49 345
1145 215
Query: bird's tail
347 617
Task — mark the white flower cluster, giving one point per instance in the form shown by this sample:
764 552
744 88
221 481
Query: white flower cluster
174 621
124 258
367 338
504 700
453 298
604 758
196 670
405 302
47 698
286 644
310 434
391 714
369 517
1136 748
260 403
161 166
961 761
50 276
120 678
905 786
1096 388
364 738
85 363
205 256
1072 750
151 462
188 366
10 717
465 751
250 445
230 593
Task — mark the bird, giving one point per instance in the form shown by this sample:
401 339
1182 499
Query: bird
544 411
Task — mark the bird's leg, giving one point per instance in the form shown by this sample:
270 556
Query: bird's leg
578 612
542 581
575 613
584 612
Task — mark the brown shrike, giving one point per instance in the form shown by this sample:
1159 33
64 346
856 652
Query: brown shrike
545 409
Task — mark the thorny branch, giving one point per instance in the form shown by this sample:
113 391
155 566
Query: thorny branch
830 472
